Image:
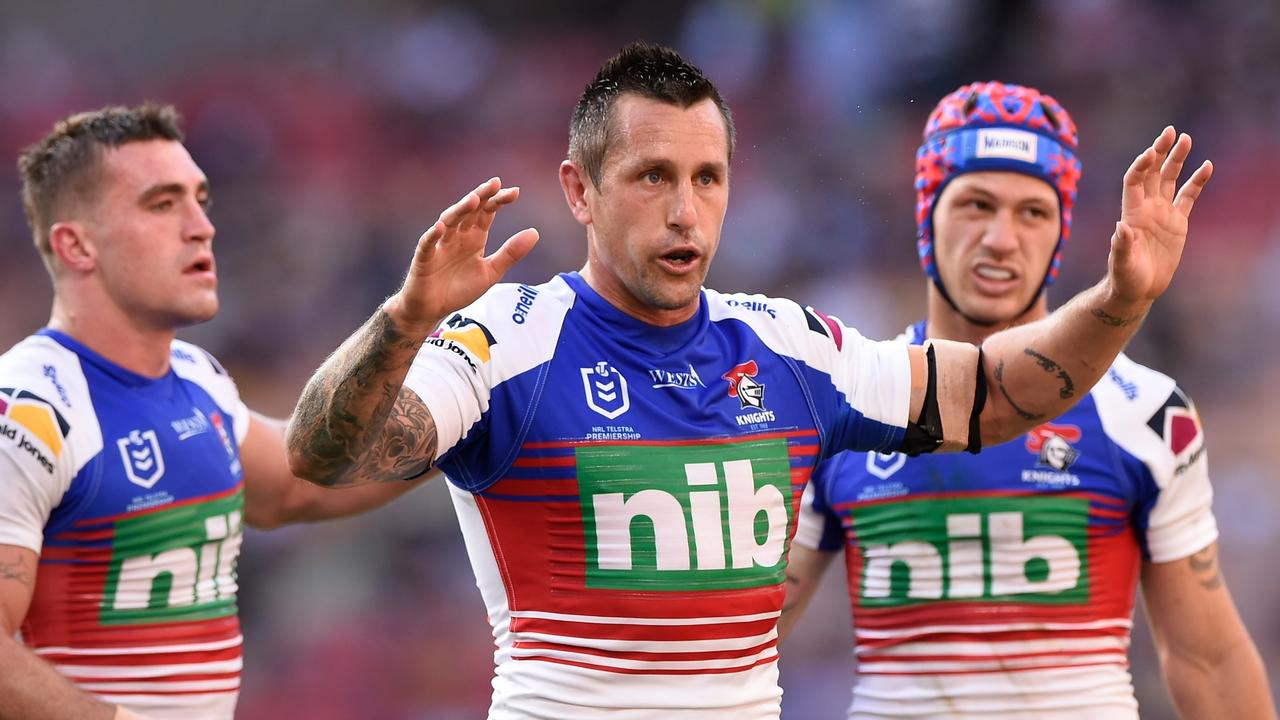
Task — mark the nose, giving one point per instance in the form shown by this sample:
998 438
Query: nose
1001 236
682 213
198 226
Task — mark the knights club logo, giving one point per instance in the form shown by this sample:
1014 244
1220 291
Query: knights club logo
1053 445
606 390
743 385
143 463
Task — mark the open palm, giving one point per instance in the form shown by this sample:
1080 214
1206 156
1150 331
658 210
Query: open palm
449 269
1152 231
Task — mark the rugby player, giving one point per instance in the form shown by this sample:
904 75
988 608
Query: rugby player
1002 584
626 449
128 462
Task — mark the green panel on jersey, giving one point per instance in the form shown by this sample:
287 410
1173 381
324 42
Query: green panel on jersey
710 516
1024 549
175 564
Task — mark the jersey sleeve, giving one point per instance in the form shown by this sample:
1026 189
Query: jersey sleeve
198 365
818 527
1179 518
451 376
862 387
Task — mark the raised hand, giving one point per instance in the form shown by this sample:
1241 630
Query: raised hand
449 269
1148 241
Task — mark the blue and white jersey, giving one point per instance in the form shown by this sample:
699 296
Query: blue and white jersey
1003 583
130 490
628 492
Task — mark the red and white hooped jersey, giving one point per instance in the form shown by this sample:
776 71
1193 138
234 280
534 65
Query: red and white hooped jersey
130 490
1002 584
628 493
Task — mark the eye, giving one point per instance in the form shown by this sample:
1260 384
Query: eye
706 179
977 204
1036 212
653 177
162 205
206 203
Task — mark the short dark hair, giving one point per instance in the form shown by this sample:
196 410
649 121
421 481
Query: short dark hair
651 71
65 163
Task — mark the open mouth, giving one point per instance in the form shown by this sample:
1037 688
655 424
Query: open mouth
200 266
991 272
681 257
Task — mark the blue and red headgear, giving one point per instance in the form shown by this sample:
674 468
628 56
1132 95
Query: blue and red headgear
995 126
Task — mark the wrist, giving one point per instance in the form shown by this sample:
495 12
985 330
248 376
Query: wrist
409 324
1115 309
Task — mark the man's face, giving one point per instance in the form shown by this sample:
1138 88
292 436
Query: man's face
655 221
154 239
994 235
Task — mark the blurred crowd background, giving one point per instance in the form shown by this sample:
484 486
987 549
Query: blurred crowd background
335 131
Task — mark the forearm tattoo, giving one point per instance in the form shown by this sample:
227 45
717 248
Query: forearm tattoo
353 424
1205 565
14 570
1024 414
1112 320
1068 385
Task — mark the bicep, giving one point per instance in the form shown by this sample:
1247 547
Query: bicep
805 568
947 393
17 583
1189 607
407 445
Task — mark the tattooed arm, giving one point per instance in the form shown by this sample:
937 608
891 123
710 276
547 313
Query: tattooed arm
355 422
1037 371
1208 659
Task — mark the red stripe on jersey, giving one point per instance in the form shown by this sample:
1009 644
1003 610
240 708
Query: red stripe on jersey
997 636
961 494
1055 666
614 631
638 671
534 488
651 656
110 637
188 677
181 657
557 461
988 657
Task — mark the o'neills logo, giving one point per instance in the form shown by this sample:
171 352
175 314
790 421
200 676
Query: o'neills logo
525 296
1007 143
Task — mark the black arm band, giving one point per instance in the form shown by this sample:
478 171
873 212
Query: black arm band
925 434
979 402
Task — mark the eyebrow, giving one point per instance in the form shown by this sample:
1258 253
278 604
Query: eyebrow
170 189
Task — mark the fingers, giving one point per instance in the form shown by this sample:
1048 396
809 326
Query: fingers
1192 187
513 251
489 210
1135 178
1172 166
1163 144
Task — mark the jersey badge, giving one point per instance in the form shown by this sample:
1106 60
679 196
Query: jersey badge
143 462
824 325
884 465
1055 454
682 379
1177 422
750 393
606 390
37 416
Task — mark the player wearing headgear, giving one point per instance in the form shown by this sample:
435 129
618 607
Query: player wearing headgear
128 462
1002 584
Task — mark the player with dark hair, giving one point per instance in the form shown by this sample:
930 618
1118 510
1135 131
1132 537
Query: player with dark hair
122 449
626 449
1002 584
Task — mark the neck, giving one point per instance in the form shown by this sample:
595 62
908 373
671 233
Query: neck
946 324
107 330
607 286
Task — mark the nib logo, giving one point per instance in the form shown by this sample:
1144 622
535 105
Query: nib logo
742 385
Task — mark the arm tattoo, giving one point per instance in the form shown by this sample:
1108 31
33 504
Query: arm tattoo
1112 320
1205 565
1068 385
15 571
1025 415
353 424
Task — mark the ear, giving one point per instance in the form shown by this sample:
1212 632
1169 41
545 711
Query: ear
575 184
72 247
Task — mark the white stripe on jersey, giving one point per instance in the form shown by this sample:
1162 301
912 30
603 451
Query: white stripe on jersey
605 620
1000 628
151 671
140 650
1001 647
